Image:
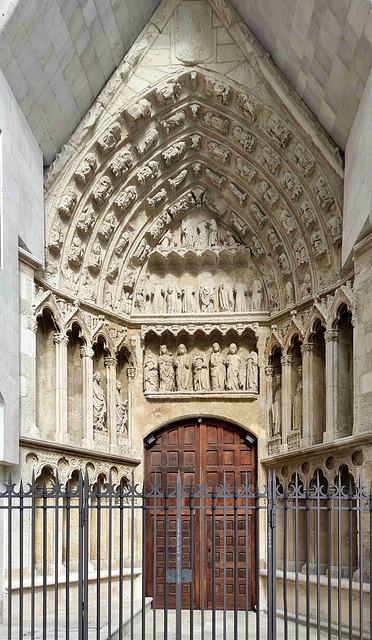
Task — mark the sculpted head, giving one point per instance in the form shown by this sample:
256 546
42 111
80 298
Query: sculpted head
118 385
233 348
97 376
278 379
299 369
216 347
182 350
163 349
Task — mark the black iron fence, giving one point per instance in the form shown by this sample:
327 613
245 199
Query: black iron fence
109 560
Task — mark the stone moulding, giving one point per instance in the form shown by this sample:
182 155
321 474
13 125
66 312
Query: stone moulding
201 395
191 329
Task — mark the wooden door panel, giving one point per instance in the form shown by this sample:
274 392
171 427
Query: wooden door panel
211 449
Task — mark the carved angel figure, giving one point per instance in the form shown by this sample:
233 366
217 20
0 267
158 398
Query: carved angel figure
183 369
150 373
252 372
166 369
99 403
233 369
200 371
121 412
217 368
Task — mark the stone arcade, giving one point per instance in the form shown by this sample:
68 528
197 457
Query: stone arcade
193 268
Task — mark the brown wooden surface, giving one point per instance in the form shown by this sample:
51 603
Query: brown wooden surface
206 449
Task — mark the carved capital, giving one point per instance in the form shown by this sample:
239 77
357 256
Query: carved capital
86 352
287 360
308 347
110 362
131 373
269 370
60 338
332 335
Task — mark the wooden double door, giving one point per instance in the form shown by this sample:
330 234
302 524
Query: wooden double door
211 449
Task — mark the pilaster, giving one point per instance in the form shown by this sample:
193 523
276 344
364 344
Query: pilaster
87 354
110 364
331 348
131 374
269 372
287 363
61 341
307 351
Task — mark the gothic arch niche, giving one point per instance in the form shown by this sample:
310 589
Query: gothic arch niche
319 382
345 369
46 374
75 416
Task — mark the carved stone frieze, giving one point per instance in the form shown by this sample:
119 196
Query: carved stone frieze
191 329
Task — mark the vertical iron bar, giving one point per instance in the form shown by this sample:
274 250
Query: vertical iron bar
86 553
166 507
297 489
178 557
68 541
132 561
339 542
224 554
33 511
143 611
45 562
285 554
80 560
9 556
257 560
318 555
361 566
98 594
192 561
214 565
307 525
154 559
329 541
273 524
269 559
121 555
21 559
56 532
235 562
202 504
350 522
246 557
109 582
370 560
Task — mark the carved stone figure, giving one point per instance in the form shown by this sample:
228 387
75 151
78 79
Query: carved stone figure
168 92
173 153
256 295
303 159
195 142
246 106
150 140
279 132
245 170
308 213
182 365
166 370
219 152
220 124
166 243
125 199
252 372
141 110
301 252
157 297
226 294
139 303
269 194
213 233
157 198
244 139
233 369
287 221
334 224
200 371
241 293
215 178
177 180
127 302
229 241
188 299
307 284
95 258
284 264
297 404
142 251
240 195
259 214
147 172
121 163
113 270
318 243
256 247
56 241
273 238
107 227
124 239
292 185
289 292
76 253
110 138
86 221
217 368
176 120
102 191
150 373
194 111
99 404
217 90
276 409
202 235
86 170
271 160
207 294
323 193
68 203
173 295
196 169
121 412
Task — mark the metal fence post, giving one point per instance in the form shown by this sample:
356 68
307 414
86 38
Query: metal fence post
178 557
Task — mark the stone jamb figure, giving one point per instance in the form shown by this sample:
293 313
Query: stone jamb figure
217 368
297 404
182 366
200 371
150 373
233 369
99 404
252 372
166 370
121 412
276 408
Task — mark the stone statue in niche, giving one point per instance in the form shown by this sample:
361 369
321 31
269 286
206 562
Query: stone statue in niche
241 293
150 140
201 239
246 106
166 370
188 299
269 194
217 368
76 254
246 170
219 152
127 302
112 271
142 251
125 199
217 122
157 198
271 160
150 373
187 233
252 372
284 264
157 297
279 131
276 409
318 243
226 295
233 369
207 294
107 227
213 233
148 172
175 181
174 153
182 366
124 240
200 371
244 139
99 404
256 296
121 412
108 300
216 178
293 186
297 404
172 299
86 220
139 303
273 238
259 214
289 292
304 160
301 252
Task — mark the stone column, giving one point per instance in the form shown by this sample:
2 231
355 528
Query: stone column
87 354
287 363
110 364
131 374
307 350
61 341
331 356
269 371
